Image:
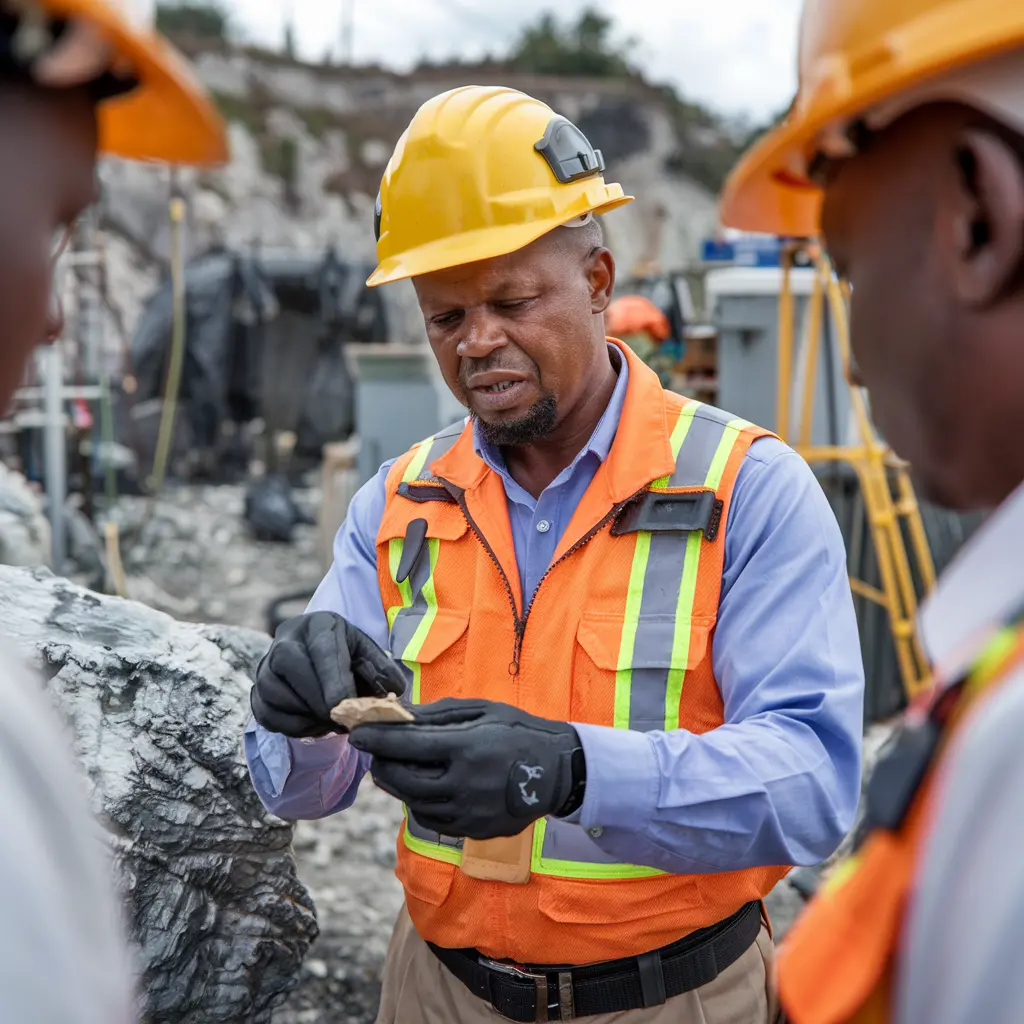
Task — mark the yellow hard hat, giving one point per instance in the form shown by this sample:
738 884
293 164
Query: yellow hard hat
854 55
151 106
481 172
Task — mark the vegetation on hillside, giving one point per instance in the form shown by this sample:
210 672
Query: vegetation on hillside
205 20
709 143
584 48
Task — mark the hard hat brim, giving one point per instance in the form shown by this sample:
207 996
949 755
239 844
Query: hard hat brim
763 194
169 116
474 246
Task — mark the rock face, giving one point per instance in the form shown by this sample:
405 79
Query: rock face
24 528
157 707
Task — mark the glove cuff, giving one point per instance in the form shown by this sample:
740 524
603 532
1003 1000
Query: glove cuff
578 785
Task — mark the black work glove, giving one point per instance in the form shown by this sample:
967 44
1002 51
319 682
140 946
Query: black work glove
315 662
476 768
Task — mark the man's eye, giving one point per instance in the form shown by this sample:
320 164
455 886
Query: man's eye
447 319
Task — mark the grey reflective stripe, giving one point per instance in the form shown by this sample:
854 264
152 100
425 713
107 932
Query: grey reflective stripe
567 851
408 619
656 628
563 841
699 447
440 444
666 570
417 831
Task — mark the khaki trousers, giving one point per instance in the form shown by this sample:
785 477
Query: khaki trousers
418 989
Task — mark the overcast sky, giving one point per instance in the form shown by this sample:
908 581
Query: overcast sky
734 55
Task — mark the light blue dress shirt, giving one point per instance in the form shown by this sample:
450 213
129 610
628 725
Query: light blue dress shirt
778 783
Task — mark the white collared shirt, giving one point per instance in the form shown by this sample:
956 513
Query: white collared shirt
965 933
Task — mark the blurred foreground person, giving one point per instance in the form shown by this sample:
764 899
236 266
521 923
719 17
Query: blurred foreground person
76 77
905 150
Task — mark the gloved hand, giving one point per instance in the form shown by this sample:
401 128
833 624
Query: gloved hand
315 662
476 768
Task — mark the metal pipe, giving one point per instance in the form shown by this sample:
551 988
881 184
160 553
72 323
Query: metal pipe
54 447
165 435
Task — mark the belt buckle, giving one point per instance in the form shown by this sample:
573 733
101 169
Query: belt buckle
540 981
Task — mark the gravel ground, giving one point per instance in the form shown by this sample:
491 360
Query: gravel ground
195 559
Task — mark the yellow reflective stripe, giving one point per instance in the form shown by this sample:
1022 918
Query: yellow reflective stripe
634 598
578 869
418 461
412 651
395 546
635 593
995 653
435 851
682 631
688 588
725 446
842 873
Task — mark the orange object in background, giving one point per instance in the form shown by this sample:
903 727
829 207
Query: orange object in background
633 314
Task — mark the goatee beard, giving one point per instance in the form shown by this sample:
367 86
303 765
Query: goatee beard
538 421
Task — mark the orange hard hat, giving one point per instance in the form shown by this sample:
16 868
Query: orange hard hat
634 314
162 113
854 55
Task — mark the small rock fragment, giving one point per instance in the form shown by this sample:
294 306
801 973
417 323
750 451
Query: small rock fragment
363 710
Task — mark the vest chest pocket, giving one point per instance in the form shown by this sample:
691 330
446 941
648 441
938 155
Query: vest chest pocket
633 670
421 635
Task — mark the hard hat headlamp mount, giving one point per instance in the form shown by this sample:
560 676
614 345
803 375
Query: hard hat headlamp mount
568 152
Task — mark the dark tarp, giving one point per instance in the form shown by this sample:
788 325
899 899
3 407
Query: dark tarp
265 338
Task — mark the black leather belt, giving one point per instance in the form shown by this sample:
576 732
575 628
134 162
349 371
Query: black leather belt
544 993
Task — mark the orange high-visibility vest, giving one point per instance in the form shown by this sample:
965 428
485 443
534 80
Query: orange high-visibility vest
619 634
838 963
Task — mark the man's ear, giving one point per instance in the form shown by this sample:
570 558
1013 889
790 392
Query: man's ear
601 279
981 217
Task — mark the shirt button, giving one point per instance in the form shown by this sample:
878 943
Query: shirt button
543 526
596 832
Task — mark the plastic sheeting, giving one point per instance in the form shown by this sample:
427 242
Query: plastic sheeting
265 337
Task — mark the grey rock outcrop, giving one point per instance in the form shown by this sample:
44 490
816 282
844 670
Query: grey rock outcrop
24 528
156 708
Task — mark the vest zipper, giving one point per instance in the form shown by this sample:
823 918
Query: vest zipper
520 622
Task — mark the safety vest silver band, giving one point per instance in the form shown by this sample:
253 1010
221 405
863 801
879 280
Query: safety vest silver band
656 635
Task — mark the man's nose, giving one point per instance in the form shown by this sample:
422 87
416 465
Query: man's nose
482 333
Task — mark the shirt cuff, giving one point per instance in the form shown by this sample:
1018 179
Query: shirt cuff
282 756
623 782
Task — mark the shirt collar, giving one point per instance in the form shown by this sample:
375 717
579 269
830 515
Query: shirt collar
980 592
600 443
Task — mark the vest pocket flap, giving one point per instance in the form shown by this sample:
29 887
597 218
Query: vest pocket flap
444 522
442 632
652 641
425 879
602 902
